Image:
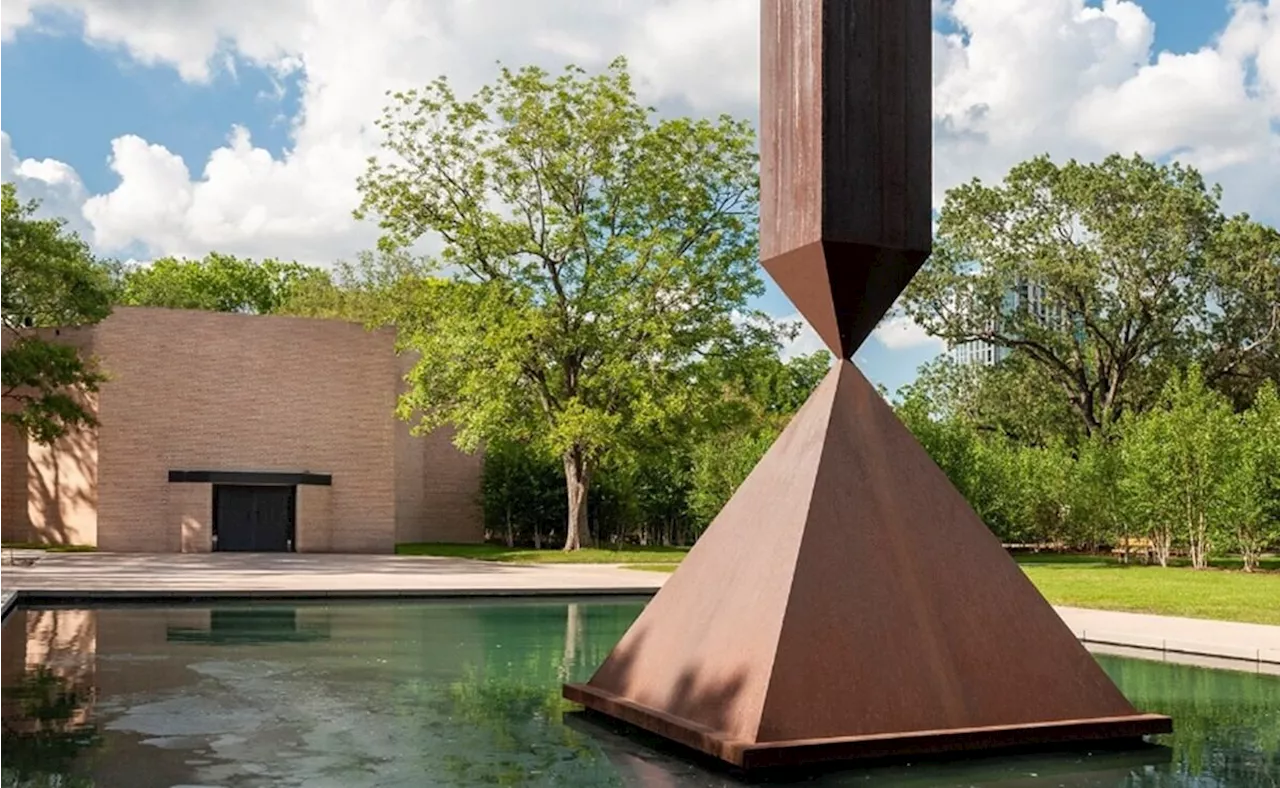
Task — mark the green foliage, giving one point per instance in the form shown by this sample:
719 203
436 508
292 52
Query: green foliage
666 492
1143 330
1179 458
1189 474
767 392
370 290
1253 485
720 465
523 494
1138 271
218 283
49 280
602 261
1013 398
524 555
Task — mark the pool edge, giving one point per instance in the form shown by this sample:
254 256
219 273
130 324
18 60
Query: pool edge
752 756
9 601
99 596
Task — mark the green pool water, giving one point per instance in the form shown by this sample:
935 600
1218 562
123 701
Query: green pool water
467 694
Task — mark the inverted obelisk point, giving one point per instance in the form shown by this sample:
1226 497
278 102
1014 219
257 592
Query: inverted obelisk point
843 289
845 159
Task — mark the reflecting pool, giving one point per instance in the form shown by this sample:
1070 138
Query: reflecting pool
467 694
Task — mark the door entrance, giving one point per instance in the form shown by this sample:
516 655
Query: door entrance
253 518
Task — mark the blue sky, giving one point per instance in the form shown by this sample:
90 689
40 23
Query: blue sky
170 86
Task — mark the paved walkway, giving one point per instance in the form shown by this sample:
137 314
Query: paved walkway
254 574
230 574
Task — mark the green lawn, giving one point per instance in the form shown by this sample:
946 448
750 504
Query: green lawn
52 548
524 555
1086 581
1077 580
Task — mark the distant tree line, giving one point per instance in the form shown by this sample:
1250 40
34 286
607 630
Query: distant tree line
1189 475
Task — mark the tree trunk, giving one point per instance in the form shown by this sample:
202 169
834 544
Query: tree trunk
577 477
572 641
511 536
1162 542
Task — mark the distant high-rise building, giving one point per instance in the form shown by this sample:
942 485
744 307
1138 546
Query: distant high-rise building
1024 295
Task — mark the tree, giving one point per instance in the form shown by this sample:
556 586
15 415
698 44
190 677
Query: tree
1124 270
367 290
218 283
1099 512
49 279
520 496
1012 398
1243 351
768 392
600 260
1254 482
1179 458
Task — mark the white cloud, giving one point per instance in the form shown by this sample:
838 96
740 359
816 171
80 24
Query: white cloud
1075 80
55 184
900 332
14 15
299 205
805 343
1021 78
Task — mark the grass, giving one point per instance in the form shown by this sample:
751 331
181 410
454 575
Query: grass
1091 581
652 567
1095 582
524 555
52 548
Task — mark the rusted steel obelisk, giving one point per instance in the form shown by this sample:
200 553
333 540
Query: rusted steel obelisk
847 602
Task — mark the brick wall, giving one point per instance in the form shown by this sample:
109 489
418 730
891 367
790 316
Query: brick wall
50 492
437 486
62 490
314 523
14 525
203 390
190 506
450 505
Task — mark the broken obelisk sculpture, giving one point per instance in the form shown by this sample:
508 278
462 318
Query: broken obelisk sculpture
847 602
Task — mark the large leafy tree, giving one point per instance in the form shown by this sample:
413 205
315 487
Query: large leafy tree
602 258
218 283
1127 270
50 279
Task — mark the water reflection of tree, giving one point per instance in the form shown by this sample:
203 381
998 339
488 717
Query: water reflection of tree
1226 723
506 710
44 733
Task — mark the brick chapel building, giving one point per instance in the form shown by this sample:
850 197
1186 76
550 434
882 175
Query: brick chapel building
226 431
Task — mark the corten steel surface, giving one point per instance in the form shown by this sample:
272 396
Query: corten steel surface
847 602
845 125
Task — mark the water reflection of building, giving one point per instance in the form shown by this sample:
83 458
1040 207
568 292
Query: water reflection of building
49 669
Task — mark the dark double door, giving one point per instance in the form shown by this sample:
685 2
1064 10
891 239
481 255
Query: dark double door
254 518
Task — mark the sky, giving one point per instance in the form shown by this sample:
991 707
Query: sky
176 128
